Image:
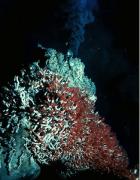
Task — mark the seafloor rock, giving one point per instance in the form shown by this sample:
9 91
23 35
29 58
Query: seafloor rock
47 114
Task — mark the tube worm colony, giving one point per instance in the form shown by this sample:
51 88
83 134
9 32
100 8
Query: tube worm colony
47 114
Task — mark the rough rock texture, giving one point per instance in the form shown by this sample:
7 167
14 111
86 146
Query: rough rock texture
47 114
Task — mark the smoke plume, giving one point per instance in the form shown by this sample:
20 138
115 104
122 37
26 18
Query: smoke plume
80 13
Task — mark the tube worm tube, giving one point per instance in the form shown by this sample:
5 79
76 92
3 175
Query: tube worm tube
47 114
